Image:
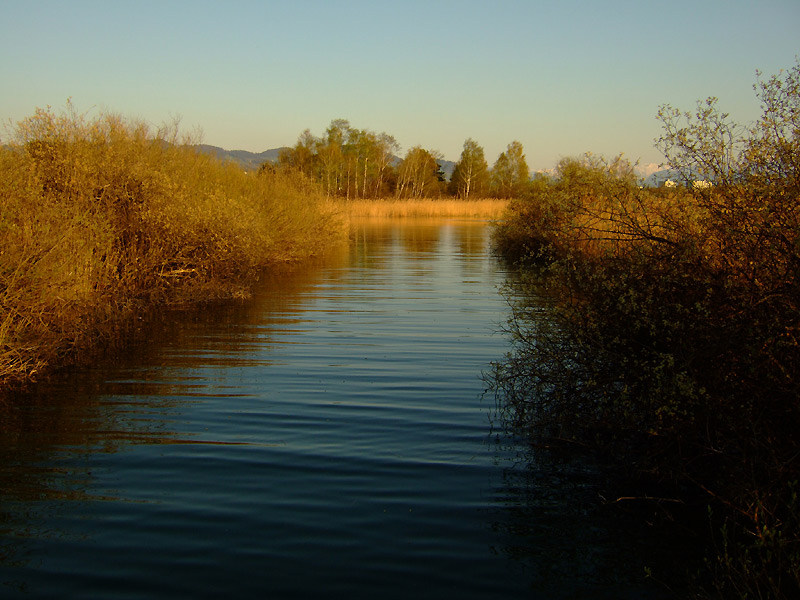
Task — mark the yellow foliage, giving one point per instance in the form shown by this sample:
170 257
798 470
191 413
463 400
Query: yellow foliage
102 216
485 208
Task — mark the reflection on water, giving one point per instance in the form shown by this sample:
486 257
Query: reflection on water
327 437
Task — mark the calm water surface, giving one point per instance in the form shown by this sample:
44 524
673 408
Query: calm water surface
325 439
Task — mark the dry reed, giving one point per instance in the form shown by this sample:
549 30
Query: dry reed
484 208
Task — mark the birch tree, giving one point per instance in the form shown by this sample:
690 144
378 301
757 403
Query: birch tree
510 173
419 174
386 149
471 174
346 161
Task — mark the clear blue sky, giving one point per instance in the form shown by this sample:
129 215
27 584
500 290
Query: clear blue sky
561 76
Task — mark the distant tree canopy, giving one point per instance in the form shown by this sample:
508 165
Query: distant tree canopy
419 175
358 163
471 175
510 174
346 161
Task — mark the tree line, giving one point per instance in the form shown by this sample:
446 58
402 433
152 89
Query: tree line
355 163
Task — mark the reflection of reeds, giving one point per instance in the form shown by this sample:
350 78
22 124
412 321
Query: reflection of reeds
102 218
485 208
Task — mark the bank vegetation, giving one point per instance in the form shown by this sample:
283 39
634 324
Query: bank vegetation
454 208
661 327
104 219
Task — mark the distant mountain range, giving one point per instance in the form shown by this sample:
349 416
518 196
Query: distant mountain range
448 166
250 161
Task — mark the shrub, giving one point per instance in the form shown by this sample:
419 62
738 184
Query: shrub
103 217
664 326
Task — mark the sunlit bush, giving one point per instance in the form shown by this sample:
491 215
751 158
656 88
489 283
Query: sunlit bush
104 216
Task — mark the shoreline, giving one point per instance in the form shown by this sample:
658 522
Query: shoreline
101 326
486 208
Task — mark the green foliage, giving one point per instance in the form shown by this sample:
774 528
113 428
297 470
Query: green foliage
663 326
760 560
589 202
510 173
758 159
346 161
419 175
102 217
470 177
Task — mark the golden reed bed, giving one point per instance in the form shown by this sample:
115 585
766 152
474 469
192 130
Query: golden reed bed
484 208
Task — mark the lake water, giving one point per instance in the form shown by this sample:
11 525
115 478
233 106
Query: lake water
326 439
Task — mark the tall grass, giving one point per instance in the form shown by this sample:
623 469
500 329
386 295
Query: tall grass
103 218
484 208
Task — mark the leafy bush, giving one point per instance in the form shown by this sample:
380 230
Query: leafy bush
101 217
664 325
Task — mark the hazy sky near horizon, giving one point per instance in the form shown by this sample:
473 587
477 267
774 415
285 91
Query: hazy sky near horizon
563 76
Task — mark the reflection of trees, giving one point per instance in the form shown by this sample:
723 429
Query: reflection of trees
372 236
472 241
420 239
420 236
